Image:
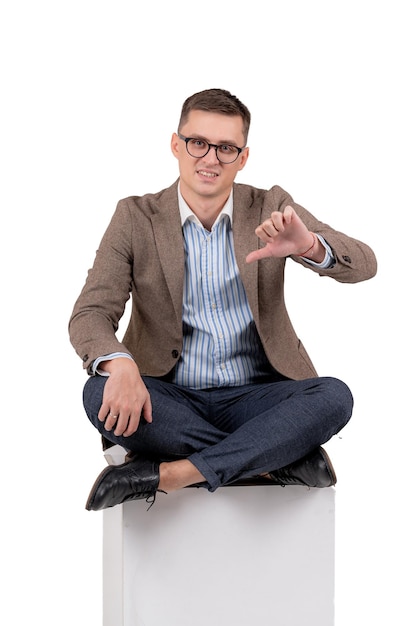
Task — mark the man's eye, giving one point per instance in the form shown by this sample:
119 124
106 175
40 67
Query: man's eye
227 149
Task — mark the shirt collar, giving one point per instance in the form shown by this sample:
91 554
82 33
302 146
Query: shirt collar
186 213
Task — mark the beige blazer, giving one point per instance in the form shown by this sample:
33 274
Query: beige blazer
142 255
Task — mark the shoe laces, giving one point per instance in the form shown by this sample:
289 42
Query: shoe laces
152 497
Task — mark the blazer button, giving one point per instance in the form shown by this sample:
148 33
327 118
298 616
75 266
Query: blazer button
347 258
175 354
85 358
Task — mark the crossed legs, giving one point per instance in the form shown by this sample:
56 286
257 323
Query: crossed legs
217 436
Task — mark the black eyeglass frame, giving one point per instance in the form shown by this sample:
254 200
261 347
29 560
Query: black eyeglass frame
210 145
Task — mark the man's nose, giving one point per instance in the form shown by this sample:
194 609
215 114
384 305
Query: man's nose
211 155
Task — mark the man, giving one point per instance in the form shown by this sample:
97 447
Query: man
211 384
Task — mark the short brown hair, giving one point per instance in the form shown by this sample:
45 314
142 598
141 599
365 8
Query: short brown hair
216 101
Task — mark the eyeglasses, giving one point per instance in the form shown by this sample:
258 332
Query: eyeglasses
198 148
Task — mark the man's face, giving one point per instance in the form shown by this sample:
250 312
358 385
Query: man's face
207 176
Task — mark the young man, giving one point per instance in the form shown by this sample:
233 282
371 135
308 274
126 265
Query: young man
211 384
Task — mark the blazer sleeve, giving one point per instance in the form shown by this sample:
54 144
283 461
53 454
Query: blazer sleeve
98 309
355 260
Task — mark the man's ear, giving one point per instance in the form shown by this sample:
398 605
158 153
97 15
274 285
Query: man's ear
174 144
243 158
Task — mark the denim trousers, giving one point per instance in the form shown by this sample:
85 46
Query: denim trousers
232 433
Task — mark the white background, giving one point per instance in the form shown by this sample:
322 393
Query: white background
90 94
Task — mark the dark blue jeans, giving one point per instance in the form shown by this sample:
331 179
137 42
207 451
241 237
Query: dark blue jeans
234 432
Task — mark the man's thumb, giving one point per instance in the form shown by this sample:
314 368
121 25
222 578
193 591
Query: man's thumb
256 255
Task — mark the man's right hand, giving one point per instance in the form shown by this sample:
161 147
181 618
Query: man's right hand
125 396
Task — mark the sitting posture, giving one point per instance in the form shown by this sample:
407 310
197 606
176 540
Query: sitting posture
211 384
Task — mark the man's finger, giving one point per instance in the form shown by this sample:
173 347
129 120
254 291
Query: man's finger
256 255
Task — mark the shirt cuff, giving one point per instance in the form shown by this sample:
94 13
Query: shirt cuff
107 357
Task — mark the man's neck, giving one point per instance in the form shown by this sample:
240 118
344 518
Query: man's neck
207 209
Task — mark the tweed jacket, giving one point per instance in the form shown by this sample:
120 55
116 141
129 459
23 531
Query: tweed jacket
141 256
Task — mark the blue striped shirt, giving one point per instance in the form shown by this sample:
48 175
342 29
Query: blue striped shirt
221 346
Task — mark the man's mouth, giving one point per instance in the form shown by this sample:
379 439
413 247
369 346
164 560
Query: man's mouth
207 174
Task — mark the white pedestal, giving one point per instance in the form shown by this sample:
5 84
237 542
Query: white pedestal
242 556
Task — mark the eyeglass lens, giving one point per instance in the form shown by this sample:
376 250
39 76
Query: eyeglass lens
225 153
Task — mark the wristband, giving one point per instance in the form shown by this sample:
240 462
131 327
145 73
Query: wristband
310 248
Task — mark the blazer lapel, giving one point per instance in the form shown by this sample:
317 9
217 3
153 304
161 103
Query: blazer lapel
246 217
166 223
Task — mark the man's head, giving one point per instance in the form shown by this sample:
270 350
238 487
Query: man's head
210 145
216 101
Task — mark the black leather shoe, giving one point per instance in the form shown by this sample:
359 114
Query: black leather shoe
137 479
313 470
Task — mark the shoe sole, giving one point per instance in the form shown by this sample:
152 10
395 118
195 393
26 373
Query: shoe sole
329 466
